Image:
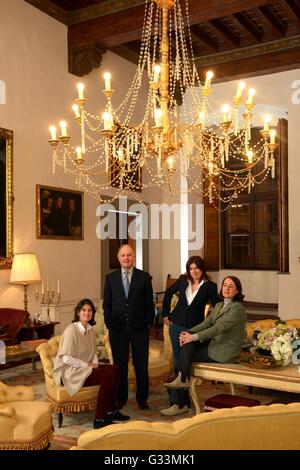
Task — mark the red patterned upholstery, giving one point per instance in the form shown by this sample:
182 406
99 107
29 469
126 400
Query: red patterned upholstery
228 401
12 320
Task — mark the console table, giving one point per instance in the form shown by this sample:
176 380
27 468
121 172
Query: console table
36 330
286 378
17 354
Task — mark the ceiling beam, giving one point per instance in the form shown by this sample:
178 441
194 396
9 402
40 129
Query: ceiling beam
205 38
250 27
104 31
206 10
277 26
198 11
90 12
292 9
125 26
226 32
106 7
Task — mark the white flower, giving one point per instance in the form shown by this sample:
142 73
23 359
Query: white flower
278 340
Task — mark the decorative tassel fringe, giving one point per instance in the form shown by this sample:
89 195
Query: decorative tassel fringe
72 407
39 443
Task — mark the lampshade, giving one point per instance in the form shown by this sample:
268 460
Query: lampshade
25 269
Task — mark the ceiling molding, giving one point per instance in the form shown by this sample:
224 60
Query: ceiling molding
250 51
273 62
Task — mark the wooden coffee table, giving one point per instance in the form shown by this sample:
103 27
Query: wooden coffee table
286 378
17 354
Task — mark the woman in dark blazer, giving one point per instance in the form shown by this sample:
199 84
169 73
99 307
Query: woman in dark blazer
194 290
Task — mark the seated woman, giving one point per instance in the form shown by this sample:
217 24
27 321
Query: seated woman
76 365
218 338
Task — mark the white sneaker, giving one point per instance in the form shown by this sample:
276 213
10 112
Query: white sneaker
177 384
174 410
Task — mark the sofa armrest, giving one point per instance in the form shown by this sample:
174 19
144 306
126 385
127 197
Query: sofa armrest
8 421
16 393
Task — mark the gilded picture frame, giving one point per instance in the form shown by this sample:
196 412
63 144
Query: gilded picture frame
6 198
59 213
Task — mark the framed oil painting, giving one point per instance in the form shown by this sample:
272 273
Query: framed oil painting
59 213
6 198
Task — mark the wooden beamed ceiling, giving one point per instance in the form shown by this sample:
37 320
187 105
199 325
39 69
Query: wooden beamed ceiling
234 38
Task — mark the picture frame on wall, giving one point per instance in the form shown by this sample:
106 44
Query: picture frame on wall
59 213
6 198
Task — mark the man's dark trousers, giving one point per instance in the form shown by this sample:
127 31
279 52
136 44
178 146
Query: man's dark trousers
139 340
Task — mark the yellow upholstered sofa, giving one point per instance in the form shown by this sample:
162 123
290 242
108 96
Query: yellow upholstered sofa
85 399
268 323
25 424
273 427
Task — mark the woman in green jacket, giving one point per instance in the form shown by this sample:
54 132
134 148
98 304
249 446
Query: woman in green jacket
218 338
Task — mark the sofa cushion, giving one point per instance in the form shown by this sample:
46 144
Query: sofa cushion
33 418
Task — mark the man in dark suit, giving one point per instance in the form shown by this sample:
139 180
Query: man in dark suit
128 313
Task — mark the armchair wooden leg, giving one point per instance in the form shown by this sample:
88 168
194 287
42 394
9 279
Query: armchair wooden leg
60 419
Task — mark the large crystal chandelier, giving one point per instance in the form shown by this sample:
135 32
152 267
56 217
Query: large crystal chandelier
176 137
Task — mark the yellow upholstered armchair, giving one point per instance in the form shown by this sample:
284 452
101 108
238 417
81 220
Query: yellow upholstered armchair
160 360
84 400
25 424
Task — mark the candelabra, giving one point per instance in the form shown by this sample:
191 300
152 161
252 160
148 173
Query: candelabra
48 297
175 138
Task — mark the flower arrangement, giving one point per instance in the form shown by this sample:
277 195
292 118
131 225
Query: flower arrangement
277 341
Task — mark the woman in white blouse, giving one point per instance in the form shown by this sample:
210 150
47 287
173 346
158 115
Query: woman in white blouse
194 290
76 365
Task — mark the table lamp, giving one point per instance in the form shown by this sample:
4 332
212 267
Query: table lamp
25 270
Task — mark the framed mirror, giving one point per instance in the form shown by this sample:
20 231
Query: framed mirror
6 198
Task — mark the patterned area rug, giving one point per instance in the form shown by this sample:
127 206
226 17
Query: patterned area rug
75 424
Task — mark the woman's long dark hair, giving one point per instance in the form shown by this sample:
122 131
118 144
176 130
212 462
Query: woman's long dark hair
79 307
200 263
239 295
